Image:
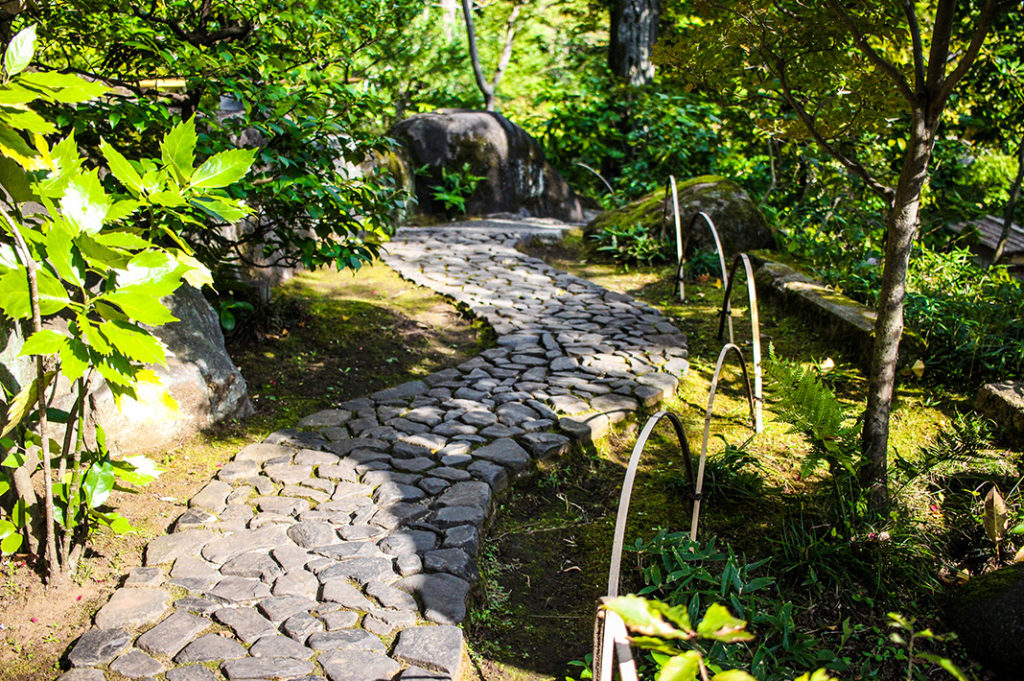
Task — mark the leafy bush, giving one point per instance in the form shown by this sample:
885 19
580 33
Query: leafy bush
692 576
634 245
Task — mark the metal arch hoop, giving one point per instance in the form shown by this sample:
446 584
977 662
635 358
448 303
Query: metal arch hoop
671 186
680 250
699 486
725 314
627 489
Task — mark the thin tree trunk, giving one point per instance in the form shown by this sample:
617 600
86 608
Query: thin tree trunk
506 51
634 28
1011 207
474 57
901 231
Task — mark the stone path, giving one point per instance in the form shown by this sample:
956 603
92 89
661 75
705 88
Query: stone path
345 548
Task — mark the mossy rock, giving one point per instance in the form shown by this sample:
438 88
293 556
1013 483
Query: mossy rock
740 225
987 613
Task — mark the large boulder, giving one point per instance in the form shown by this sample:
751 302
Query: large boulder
199 375
1003 402
739 223
987 613
516 175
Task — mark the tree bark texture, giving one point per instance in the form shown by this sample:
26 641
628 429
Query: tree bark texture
634 28
900 233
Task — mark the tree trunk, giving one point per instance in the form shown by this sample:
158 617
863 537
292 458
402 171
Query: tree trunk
634 28
474 56
901 230
1011 207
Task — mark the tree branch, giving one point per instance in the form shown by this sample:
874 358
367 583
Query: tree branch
474 56
506 52
942 31
985 21
878 60
918 48
887 193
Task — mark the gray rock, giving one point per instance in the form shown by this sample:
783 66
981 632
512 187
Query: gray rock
506 452
345 639
136 664
280 608
442 596
143 576
408 541
266 668
341 591
172 634
325 417
467 493
99 646
209 648
449 516
170 547
987 613
390 597
192 672
433 486
340 619
133 608
362 570
543 445
240 590
219 551
247 623
255 564
213 497
297 583
358 665
400 392
300 626
82 674
453 561
312 534
280 646
437 649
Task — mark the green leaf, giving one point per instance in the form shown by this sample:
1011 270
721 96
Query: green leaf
683 667
19 51
13 94
177 150
122 240
141 307
14 181
223 169
640 616
62 255
122 209
168 199
137 470
225 210
733 675
45 342
946 664
85 203
14 294
114 375
14 147
23 402
134 342
98 482
719 625
28 120
74 359
121 168
10 537
115 521
64 87
52 296
93 336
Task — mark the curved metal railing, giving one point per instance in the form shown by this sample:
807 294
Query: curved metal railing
725 316
670 187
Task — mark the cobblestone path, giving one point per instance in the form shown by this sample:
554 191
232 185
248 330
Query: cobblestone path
345 548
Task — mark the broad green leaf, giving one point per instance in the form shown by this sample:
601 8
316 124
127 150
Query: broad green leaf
122 209
223 169
14 147
112 374
62 255
225 210
99 256
121 168
23 402
683 667
196 274
52 296
85 203
10 537
28 120
74 359
821 675
65 156
134 342
943 662
14 294
8 260
641 617
13 94
177 150
64 87
93 336
719 625
137 470
141 307
733 675
19 51
109 312
19 513
168 199
153 273
98 482
45 342
14 181
124 240
115 521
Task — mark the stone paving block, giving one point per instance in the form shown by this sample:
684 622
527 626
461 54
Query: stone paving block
210 648
442 596
274 645
247 623
359 665
99 646
433 648
131 608
259 669
506 452
170 547
345 639
136 664
172 634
